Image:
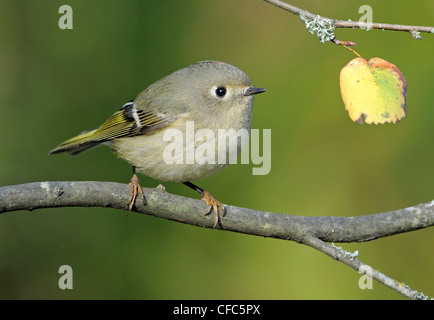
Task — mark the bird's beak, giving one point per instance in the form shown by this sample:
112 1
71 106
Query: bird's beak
250 91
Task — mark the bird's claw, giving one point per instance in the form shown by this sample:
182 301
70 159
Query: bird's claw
135 189
213 205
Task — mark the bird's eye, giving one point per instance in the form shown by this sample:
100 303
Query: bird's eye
220 92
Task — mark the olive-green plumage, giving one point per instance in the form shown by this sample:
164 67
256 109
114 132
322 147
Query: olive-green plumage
209 95
136 131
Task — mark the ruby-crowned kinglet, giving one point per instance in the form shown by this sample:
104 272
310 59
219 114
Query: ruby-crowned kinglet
210 95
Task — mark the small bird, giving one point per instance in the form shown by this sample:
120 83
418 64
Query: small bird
211 95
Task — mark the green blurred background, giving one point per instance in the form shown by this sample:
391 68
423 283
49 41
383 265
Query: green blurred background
56 83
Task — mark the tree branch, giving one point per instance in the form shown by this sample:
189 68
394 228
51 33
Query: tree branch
413 30
312 231
350 259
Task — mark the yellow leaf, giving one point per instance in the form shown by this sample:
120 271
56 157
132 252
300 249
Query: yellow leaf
373 91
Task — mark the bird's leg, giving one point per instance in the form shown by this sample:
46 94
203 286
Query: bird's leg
212 203
135 188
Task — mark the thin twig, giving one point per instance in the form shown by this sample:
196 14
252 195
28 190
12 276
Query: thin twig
413 30
351 260
311 231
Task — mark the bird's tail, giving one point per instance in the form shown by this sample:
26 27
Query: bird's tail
78 144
